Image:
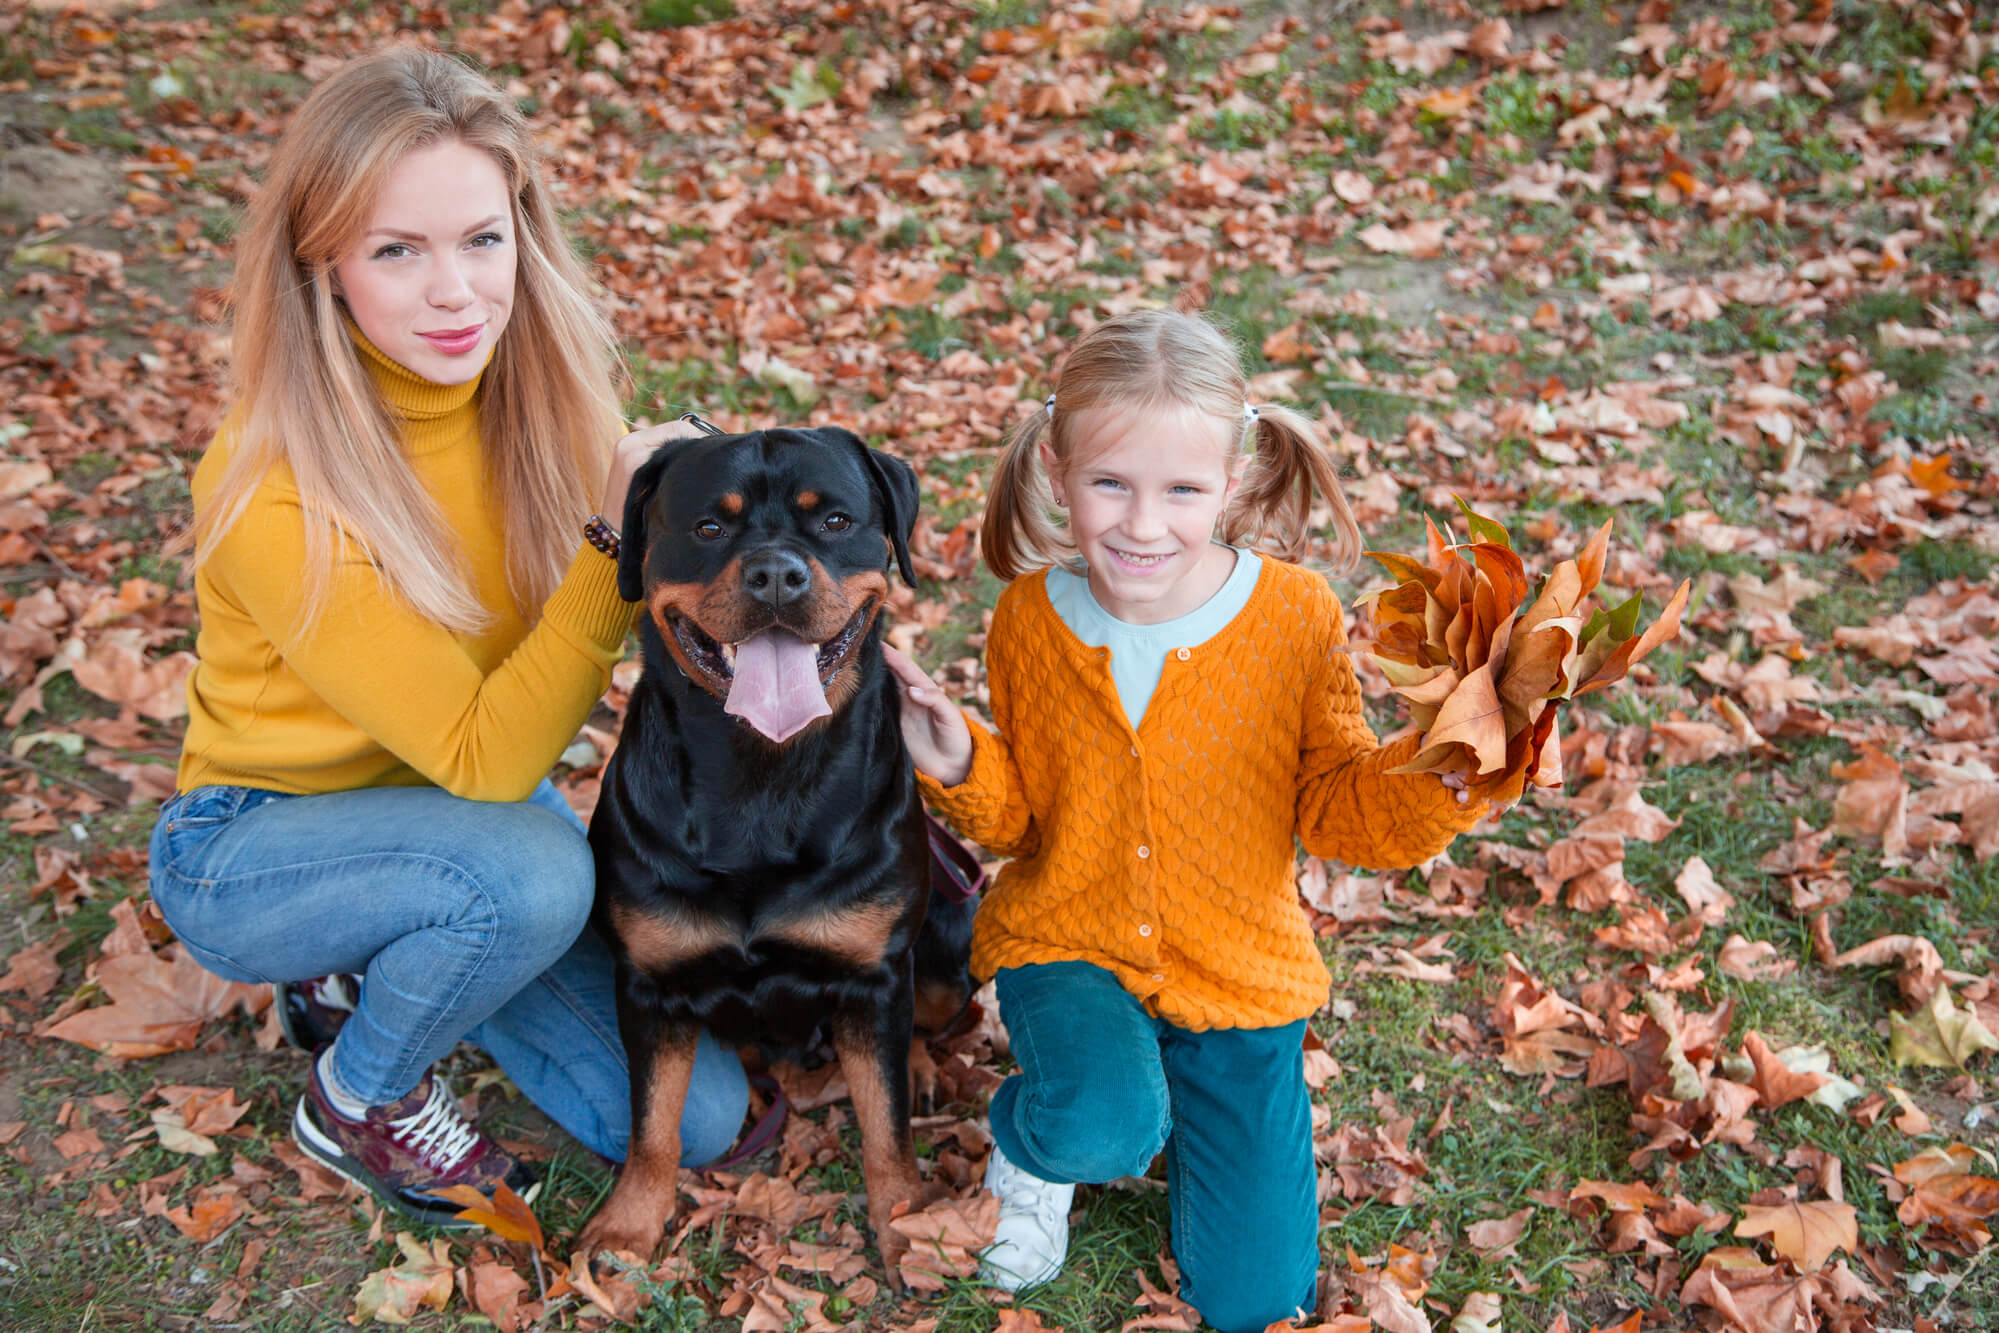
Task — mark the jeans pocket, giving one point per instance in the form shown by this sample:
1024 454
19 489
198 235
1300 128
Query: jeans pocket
191 818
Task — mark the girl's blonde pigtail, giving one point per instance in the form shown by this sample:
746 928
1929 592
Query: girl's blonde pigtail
1017 535
1273 505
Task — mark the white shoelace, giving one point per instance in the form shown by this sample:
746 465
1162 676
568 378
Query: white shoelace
437 1131
1024 1193
1051 1209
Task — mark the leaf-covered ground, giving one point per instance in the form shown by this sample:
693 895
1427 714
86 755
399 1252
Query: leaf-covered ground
1704 1040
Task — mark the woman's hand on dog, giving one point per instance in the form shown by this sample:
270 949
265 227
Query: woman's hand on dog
940 744
627 455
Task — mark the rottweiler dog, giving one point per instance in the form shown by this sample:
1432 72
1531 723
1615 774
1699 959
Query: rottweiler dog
763 864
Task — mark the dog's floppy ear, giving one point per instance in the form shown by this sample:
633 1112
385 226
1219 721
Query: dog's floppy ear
632 537
894 483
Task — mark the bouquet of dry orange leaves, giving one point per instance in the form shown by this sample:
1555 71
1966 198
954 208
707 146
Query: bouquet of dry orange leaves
1481 668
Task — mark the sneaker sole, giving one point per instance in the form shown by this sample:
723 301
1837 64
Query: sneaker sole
328 1154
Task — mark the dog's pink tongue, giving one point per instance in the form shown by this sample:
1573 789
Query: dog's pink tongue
777 689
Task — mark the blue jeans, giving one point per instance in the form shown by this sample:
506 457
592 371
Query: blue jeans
465 919
1104 1087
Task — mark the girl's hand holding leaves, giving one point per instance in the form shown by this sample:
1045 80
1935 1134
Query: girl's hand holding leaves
1482 668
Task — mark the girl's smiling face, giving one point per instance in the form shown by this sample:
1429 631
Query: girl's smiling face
1144 492
430 280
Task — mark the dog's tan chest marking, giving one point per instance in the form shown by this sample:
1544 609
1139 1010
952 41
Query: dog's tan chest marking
857 935
658 942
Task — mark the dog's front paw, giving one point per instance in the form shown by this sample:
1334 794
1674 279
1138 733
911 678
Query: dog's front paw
629 1227
893 1242
893 1245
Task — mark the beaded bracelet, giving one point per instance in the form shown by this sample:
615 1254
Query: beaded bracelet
601 535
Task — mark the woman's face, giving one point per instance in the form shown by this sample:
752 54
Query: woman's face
430 280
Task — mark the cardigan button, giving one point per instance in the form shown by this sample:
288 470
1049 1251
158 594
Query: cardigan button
1159 976
1184 653
1134 752
1143 851
1145 930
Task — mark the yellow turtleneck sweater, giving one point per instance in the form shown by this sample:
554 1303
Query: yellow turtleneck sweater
373 695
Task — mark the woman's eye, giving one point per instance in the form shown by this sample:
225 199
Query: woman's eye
485 240
708 529
393 250
837 523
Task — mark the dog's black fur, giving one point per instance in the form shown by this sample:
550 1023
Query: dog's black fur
767 892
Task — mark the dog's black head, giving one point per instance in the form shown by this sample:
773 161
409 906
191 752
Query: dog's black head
763 559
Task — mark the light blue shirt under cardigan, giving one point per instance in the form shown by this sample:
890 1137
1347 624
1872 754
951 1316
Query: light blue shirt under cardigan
1138 652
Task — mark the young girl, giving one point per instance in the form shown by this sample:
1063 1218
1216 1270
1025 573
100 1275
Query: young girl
407 609
1173 709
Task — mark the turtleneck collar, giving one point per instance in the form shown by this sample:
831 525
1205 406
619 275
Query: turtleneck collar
409 395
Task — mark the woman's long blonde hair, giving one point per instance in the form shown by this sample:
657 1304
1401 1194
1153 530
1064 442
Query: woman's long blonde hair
1160 359
548 413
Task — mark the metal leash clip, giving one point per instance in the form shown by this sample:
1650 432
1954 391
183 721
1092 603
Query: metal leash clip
702 424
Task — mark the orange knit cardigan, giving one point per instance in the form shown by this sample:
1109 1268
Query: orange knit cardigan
1167 854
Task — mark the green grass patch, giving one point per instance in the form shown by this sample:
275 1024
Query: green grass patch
656 14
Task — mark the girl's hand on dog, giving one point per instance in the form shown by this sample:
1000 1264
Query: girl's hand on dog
940 744
627 455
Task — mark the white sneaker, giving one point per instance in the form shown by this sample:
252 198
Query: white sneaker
1033 1236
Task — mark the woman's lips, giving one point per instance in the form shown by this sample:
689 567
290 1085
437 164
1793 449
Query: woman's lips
455 342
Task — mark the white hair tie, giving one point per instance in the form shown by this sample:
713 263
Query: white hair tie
1048 404
1249 413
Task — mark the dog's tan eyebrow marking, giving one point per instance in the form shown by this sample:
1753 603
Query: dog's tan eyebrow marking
808 499
732 504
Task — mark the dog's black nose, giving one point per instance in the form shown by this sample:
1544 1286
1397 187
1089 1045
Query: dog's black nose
776 578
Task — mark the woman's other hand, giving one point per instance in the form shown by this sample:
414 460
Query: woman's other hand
940 744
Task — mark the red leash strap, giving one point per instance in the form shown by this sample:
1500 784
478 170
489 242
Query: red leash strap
955 874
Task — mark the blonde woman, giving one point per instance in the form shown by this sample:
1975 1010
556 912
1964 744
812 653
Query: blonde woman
408 606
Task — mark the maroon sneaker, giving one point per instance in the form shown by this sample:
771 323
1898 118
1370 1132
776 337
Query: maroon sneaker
403 1151
311 1012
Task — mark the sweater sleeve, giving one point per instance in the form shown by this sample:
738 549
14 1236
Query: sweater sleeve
990 805
1351 808
411 685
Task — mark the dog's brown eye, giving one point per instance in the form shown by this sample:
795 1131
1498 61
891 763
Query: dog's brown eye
837 523
708 529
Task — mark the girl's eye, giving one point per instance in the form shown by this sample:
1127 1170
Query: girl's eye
1107 482
837 523
707 529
